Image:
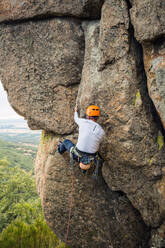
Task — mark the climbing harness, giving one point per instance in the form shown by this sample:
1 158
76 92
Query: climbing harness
80 154
97 158
86 156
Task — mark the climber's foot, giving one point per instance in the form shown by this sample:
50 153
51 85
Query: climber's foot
59 148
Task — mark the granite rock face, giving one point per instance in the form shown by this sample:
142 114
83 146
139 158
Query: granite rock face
147 17
114 36
40 66
93 203
116 62
131 149
20 10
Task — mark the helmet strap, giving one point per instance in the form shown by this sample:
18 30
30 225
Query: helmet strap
93 118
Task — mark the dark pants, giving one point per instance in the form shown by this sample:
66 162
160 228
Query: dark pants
66 145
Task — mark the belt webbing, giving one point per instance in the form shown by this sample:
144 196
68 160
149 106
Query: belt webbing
81 154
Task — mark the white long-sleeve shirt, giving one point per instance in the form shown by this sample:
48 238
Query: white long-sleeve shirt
90 134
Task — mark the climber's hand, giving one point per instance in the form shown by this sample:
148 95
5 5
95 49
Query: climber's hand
76 108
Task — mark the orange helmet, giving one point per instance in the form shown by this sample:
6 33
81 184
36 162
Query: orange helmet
93 110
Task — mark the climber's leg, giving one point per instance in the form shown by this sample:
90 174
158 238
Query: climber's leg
65 146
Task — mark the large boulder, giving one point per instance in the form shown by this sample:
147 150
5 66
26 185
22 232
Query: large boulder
40 67
147 17
99 216
20 10
134 159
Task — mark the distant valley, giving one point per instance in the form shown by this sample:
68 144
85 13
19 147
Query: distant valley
17 131
18 144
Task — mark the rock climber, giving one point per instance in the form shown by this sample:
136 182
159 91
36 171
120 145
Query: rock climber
89 138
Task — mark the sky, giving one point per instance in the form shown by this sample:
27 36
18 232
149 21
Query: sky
6 111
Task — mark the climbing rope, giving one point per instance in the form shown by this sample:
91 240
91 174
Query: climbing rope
70 209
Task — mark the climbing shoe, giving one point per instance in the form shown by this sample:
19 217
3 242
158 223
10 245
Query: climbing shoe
59 148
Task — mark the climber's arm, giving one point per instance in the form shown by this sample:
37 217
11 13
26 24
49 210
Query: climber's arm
76 108
76 118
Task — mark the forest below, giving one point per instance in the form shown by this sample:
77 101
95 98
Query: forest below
22 223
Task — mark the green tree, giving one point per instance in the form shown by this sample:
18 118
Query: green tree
20 234
16 185
16 154
22 220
